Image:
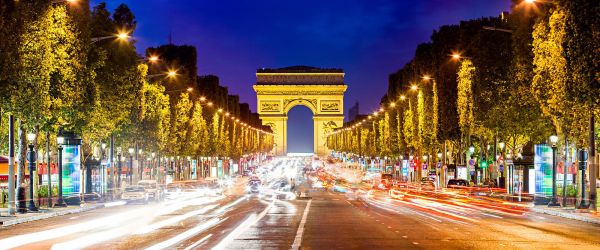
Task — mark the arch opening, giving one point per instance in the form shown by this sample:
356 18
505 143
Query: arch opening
300 130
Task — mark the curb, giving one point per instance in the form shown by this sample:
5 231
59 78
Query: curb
572 216
48 215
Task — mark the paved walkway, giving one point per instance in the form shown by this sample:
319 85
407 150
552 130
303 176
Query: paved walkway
586 215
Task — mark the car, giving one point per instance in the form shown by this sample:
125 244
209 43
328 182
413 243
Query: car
457 183
151 186
172 191
427 185
254 188
135 194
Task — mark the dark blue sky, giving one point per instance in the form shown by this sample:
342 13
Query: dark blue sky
369 39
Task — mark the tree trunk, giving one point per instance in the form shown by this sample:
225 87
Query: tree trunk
22 150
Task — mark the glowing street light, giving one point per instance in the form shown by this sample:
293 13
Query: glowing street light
172 73
414 87
202 98
455 56
426 77
529 1
392 104
153 59
402 97
123 36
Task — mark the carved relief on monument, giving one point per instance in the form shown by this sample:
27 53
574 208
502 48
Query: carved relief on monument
272 126
329 126
330 106
270 106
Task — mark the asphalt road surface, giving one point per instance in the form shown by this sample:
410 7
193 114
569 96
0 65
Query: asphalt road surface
329 220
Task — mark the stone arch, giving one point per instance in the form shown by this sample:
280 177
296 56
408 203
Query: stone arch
320 90
289 104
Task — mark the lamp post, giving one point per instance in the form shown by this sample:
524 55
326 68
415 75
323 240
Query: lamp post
31 158
553 201
141 163
501 145
153 167
103 169
119 167
129 172
60 202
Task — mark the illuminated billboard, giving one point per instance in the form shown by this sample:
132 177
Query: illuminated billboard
71 172
543 170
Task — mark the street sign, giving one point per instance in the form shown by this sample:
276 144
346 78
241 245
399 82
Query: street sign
501 168
439 165
472 163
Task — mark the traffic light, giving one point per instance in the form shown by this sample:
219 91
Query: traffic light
484 163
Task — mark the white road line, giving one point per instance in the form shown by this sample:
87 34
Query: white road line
167 244
252 219
298 239
198 242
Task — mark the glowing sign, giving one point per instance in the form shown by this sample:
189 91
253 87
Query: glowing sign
71 173
543 170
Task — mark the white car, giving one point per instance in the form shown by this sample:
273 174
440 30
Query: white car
173 191
135 194
151 187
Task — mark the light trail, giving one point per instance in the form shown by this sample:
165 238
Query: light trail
205 238
173 220
187 234
252 219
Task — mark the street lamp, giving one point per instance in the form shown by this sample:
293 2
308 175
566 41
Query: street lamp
60 202
119 168
129 172
31 158
553 201
471 148
123 36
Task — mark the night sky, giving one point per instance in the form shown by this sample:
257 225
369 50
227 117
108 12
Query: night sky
369 39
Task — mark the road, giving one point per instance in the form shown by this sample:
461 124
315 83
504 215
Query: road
329 220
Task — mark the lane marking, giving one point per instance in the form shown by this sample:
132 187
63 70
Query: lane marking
198 242
252 219
298 239
186 235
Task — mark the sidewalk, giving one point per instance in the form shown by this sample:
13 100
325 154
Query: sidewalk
585 215
45 213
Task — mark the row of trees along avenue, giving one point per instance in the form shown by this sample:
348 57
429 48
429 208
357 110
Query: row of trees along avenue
67 67
508 80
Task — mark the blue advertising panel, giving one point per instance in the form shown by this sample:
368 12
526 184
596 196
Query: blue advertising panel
543 170
194 166
219 168
71 173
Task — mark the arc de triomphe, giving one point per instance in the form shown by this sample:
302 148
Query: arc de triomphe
321 90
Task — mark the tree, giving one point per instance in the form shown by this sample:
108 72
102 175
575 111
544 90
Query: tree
181 121
550 76
198 131
465 97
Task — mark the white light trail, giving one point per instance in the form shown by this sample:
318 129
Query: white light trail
252 219
174 220
187 234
